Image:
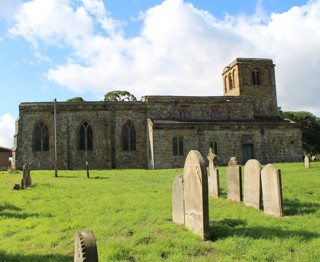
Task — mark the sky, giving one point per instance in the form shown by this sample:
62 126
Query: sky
60 49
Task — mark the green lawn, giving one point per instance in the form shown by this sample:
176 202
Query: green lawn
129 212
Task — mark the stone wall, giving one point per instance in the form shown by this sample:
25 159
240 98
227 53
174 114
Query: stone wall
268 140
106 121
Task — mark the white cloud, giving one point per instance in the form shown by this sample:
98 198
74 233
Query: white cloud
7 125
180 50
8 8
56 23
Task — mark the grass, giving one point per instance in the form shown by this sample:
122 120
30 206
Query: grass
129 212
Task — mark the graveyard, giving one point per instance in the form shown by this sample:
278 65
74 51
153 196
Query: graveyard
130 214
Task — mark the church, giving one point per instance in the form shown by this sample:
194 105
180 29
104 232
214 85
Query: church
159 131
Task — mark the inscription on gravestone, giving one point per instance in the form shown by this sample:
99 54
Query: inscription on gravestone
252 184
196 194
272 190
178 200
213 174
234 183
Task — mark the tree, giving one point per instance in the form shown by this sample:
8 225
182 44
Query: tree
119 95
75 99
310 126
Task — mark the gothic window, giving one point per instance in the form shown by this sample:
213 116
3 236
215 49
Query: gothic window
255 77
129 137
41 137
85 137
178 146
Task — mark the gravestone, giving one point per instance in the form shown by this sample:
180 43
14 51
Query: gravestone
85 247
234 182
26 179
196 194
178 200
213 174
272 190
306 162
252 184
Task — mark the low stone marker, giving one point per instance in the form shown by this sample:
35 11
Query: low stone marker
252 184
196 194
307 162
234 181
178 200
26 179
272 190
85 247
213 175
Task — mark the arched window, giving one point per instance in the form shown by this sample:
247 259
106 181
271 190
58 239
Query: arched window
85 137
234 78
129 138
41 137
230 81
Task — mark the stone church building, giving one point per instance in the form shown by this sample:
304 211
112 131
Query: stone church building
158 131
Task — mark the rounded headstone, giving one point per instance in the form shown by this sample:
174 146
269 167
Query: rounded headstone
85 247
196 194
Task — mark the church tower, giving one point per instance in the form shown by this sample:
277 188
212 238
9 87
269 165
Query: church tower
253 77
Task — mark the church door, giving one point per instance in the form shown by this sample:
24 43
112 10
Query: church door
247 152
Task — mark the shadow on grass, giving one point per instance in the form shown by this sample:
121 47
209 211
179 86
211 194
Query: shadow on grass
7 206
223 193
33 258
237 227
294 207
68 177
10 211
100 177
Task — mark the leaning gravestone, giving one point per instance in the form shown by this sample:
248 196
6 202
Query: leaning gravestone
85 247
26 179
178 200
252 184
272 190
196 194
213 174
234 183
306 162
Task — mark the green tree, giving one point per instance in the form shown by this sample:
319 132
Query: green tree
310 126
75 99
119 95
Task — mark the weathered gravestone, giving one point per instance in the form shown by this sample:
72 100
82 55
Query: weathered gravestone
252 184
234 183
272 190
196 194
213 174
178 200
85 247
26 179
306 162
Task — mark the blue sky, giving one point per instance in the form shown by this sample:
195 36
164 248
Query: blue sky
66 48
